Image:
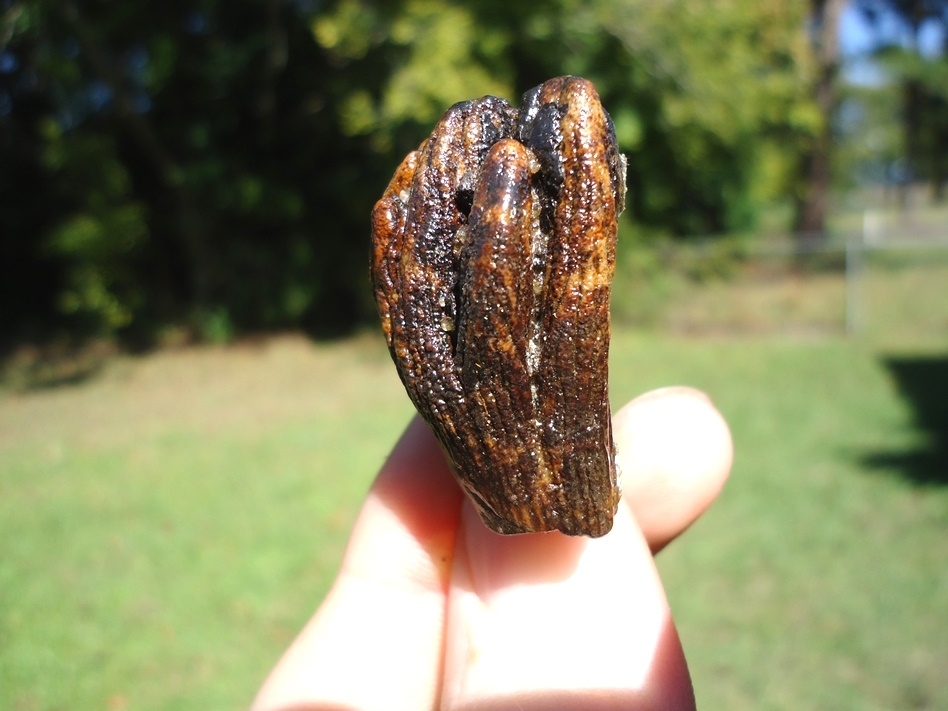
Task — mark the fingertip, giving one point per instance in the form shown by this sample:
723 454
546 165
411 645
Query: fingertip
675 451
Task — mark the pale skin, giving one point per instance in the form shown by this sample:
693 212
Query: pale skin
431 610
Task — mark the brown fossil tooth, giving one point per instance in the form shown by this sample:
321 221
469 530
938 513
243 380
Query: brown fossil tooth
493 256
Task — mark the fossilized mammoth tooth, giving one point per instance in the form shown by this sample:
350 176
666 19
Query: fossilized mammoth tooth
493 257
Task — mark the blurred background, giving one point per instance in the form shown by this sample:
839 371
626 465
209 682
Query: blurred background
194 394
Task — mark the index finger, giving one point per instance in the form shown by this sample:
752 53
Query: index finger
385 611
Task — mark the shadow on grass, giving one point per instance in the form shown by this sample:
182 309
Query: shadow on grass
923 382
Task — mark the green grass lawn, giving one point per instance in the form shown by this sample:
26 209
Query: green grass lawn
818 580
168 524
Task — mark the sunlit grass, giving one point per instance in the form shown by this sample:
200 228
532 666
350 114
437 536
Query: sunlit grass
167 525
818 579
893 298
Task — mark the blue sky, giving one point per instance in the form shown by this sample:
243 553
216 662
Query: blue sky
857 38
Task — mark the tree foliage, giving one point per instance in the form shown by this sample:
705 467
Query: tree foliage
213 164
922 83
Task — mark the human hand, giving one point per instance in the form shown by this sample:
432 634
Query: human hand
431 610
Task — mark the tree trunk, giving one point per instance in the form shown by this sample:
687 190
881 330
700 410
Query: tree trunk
813 204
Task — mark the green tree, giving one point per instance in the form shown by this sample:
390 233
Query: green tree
923 82
213 163
708 101
206 127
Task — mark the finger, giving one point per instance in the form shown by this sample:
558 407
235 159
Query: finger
545 621
385 611
675 452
